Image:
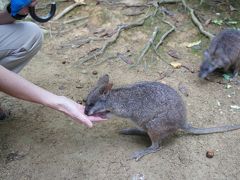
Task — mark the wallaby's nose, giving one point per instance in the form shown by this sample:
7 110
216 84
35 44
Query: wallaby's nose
86 111
202 74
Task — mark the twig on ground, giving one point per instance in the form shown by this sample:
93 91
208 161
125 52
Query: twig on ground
196 21
169 1
187 68
121 4
75 20
164 74
76 43
218 81
74 27
140 4
45 31
124 57
67 10
148 45
165 34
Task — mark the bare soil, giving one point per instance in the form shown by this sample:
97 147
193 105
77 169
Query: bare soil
39 143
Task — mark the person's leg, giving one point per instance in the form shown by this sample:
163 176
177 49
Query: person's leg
19 42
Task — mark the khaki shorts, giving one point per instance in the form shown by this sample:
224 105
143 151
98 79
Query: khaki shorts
19 42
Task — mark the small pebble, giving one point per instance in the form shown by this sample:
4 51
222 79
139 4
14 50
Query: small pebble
79 101
94 72
228 86
210 154
84 72
61 87
235 107
176 65
183 89
79 86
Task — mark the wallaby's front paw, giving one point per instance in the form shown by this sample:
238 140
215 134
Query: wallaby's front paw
235 80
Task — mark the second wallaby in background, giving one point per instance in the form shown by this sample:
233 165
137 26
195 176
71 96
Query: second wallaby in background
156 108
223 53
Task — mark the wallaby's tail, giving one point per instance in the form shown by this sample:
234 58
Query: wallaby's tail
192 130
133 131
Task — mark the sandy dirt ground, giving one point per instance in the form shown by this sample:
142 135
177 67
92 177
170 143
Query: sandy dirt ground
41 144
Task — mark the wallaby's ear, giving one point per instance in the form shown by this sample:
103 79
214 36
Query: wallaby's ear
108 88
103 81
103 85
105 89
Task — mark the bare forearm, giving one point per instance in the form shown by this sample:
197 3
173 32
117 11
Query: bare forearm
6 18
16 86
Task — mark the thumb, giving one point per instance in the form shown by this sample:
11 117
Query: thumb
89 123
33 3
86 121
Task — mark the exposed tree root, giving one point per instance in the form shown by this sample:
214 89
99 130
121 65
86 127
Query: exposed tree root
117 32
168 1
109 42
187 68
60 31
121 4
196 21
150 3
75 20
165 34
148 45
67 10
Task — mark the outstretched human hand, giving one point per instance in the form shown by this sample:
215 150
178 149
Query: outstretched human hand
16 86
76 111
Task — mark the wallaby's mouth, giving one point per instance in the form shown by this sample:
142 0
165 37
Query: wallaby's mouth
202 75
101 114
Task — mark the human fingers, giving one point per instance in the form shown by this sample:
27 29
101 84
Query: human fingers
96 118
33 3
24 11
85 120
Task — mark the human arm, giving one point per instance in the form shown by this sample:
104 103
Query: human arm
6 18
16 86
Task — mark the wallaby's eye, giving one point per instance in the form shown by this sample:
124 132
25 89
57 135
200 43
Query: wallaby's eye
91 104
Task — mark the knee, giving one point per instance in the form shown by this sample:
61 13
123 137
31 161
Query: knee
23 42
33 30
31 42
34 36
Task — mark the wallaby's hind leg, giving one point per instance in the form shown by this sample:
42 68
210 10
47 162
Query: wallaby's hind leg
157 132
236 69
133 131
235 73
154 135
152 149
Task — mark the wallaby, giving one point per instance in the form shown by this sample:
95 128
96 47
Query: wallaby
156 108
223 53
